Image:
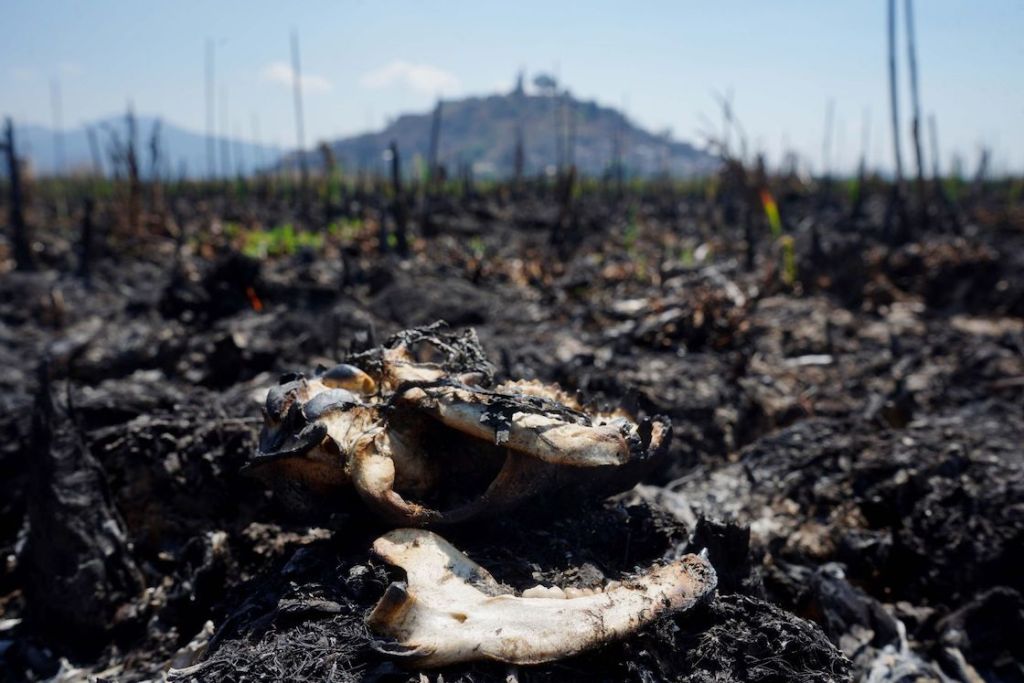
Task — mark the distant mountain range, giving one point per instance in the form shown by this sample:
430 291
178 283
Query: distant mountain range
183 152
482 131
478 131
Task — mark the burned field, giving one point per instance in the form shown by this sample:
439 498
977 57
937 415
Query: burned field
845 401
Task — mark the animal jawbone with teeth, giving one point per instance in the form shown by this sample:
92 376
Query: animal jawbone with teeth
452 610
422 442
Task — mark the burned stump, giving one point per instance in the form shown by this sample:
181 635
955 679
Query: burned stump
78 568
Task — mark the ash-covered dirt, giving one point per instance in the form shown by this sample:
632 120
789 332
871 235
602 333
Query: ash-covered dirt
849 446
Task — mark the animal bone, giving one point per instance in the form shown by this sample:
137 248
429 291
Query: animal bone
421 442
452 610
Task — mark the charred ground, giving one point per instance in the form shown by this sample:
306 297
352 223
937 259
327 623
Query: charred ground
846 398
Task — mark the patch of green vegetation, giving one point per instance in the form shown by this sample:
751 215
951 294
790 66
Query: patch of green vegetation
641 270
282 240
953 186
632 233
420 168
476 245
852 188
1015 192
331 191
346 229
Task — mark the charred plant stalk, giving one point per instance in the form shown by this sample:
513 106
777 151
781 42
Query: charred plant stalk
19 230
467 179
434 175
398 206
85 244
519 160
155 159
922 198
257 145
134 183
978 186
896 207
750 238
94 152
299 120
433 179
519 155
862 166
435 142
58 129
933 138
571 143
556 103
826 152
124 162
211 146
58 151
225 139
330 177
940 190
618 169
239 160
567 217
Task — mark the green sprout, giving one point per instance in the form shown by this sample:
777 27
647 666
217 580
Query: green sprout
788 260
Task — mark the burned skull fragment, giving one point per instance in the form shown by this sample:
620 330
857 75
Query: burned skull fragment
452 610
413 431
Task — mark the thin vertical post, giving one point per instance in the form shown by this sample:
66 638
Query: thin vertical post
211 147
16 214
300 133
916 104
401 237
435 143
896 202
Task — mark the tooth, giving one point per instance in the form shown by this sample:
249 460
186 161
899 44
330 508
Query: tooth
536 592
611 585
351 378
553 592
572 592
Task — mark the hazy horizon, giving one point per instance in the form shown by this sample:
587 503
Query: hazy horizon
363 64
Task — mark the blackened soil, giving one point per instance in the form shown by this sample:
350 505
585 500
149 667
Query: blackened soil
849 446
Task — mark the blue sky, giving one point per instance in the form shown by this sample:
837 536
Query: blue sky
364 62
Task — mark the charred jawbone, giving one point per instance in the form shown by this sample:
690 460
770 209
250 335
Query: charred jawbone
413 430
452 610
